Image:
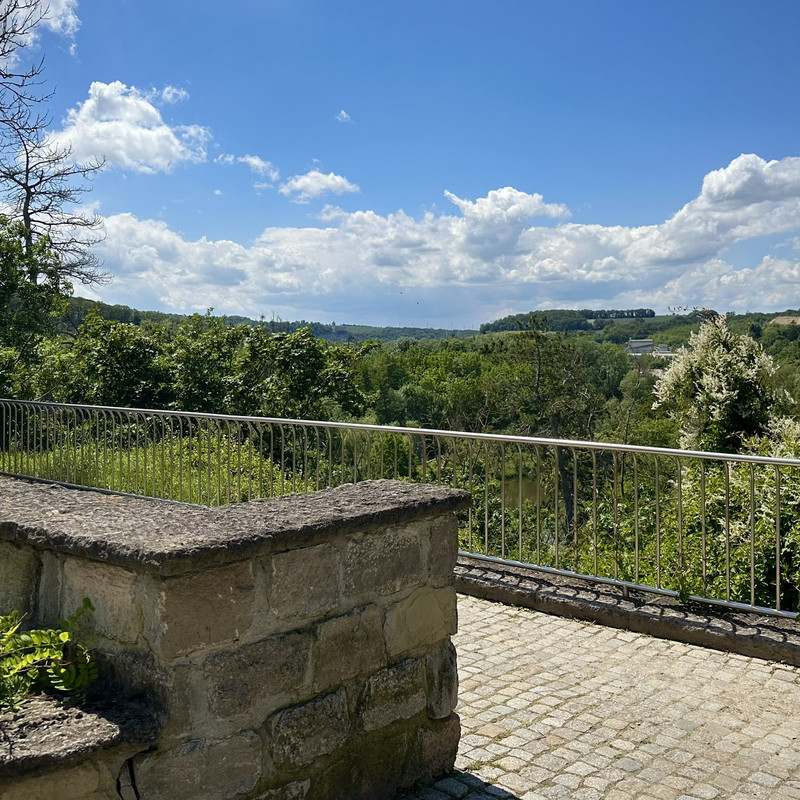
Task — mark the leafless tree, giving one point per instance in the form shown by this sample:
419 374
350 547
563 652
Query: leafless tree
40 183
19 84
42 186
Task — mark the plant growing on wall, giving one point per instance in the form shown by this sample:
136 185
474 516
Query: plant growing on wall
47 658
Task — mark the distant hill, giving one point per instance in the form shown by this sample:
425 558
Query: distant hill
621 325
559 319
79 307
605 325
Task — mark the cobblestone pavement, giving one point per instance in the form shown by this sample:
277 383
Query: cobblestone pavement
552 707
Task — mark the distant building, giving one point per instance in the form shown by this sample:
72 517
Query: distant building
639 347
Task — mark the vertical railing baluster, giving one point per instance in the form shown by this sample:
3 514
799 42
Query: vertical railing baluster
615 508
576 565
681 567
502 500
703 534
556 478
594 509
519 502
538 505
657 499
752 535
777 538
636 518
727 531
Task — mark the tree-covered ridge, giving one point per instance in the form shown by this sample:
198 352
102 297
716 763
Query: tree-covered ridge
79 307
567 319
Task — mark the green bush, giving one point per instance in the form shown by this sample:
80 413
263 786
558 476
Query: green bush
48 659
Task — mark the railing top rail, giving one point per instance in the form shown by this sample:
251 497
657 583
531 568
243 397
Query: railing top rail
489 437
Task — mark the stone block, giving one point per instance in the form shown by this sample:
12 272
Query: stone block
394 693
117 615
296 790
48 608
305 733
204 608
214 770
443 552
18 578
434 751
385 561
347 647
420 620
186 696
248 683
305 582
380 759
441 673
76 783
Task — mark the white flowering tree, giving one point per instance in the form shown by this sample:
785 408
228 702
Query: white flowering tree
720 389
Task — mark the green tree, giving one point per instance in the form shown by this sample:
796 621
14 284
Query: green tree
201 356
295 375
720 389
109 364
32 294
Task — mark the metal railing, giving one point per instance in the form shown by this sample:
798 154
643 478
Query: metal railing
710 527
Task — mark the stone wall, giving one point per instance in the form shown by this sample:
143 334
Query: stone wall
294 648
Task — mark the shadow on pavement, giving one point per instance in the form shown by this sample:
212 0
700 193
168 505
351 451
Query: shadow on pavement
459 786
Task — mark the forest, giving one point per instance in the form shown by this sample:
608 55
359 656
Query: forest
543 378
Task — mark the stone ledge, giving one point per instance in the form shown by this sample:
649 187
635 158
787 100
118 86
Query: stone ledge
45 734
170 539
755 635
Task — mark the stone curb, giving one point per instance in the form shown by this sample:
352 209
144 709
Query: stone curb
47 734
759 636
173 539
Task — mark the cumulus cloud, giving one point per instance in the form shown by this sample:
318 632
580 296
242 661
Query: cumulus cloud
481 260
119 123
313 184
343 116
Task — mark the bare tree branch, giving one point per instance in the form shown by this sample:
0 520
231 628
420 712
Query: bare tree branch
40 183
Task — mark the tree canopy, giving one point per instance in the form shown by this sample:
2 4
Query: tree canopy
720 389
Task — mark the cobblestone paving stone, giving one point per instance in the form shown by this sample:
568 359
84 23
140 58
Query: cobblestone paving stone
557 708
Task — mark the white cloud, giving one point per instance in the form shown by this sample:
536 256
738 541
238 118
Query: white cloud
260 167
57 16
62 16
119 123
478 262
172 94
313 184
256 164
343 116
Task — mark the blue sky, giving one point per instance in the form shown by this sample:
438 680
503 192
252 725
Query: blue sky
435 163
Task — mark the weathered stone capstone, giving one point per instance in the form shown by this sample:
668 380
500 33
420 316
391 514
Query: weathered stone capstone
292 648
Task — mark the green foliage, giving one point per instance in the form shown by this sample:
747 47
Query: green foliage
109 364
42 659
561 319
32 293
719 389
198 465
